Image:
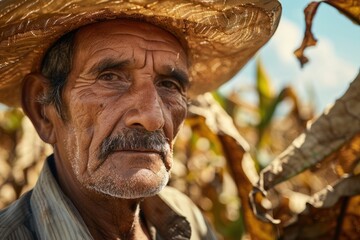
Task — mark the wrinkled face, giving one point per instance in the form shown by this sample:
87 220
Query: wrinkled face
125 100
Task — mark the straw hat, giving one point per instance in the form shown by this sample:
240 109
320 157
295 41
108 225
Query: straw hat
221 35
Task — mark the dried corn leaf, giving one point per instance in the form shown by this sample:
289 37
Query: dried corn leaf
329 152
329 213
235 149
345 187
316 224
350 223
351 8
309 39
331 131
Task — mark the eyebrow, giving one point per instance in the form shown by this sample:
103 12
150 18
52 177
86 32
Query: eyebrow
108 63
178 74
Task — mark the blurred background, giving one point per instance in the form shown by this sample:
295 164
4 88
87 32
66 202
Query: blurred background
231 134
333 64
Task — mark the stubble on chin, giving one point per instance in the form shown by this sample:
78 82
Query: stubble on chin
130 188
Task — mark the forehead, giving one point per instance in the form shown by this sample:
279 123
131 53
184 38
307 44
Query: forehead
123 31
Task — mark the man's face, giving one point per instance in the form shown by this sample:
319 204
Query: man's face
125 100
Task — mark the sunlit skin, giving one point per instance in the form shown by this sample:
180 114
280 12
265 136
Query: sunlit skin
125 75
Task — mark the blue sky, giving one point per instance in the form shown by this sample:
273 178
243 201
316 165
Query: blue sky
334 62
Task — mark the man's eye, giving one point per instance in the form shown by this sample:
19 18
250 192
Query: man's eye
170 84
109 77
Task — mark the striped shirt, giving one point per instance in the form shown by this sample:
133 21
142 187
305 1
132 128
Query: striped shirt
46 213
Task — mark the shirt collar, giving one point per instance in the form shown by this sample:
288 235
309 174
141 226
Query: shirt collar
57 218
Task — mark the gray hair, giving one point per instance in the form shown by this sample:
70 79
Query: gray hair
56 66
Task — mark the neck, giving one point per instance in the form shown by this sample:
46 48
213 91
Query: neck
113 219
106 217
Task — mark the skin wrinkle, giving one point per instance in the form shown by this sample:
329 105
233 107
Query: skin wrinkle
108 64
179 73
84 95
76 164
84 82
120 55
132 56
145 40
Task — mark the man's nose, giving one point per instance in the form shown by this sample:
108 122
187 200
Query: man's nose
146 111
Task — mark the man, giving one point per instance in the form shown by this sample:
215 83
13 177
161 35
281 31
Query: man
110 97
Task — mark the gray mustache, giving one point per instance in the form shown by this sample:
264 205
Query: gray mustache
135 140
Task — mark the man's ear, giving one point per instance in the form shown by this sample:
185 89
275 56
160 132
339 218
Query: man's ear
34 88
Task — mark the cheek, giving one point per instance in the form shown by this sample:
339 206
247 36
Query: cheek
81 107
178 109
84 116
88 108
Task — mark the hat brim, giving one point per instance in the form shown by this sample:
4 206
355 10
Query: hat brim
221 36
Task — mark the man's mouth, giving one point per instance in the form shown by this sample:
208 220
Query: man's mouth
145 153
141 151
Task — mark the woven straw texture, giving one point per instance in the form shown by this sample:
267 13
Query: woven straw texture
221 35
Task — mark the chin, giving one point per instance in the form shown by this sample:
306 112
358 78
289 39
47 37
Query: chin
139 186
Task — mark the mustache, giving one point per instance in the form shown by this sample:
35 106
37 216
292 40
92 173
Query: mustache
135 140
